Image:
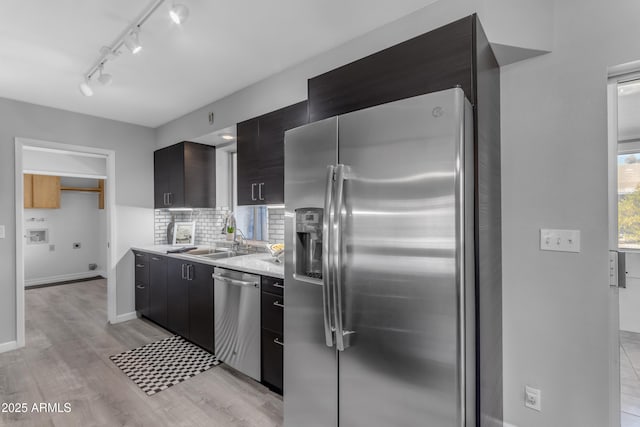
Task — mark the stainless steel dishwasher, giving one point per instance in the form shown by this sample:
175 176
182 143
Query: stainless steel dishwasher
237 320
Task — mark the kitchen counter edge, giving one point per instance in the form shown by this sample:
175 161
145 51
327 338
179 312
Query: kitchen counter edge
258 263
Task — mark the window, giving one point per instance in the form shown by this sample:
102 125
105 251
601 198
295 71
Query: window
629 200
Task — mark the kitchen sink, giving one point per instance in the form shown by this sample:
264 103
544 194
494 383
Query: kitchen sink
221 254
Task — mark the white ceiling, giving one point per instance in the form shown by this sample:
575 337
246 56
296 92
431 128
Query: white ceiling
46 47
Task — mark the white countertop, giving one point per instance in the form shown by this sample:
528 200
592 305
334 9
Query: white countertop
259 263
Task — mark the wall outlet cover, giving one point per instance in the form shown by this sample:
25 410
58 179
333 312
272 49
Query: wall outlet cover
533 398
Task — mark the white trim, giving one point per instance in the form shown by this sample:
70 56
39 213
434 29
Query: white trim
8 346
110 203
63 278
57 151
125 317
65 174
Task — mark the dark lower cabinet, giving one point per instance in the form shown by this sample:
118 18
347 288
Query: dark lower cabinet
158 290
178 296
141 282
272 316
272 347
201 306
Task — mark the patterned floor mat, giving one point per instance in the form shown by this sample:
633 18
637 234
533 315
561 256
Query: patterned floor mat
161 364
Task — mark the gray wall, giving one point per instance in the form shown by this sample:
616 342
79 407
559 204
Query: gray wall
554 169
134 181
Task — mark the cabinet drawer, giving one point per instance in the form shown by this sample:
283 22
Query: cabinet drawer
273 285
272 312
142 298
272 347
141 266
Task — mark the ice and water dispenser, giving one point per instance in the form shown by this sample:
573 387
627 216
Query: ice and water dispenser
309 242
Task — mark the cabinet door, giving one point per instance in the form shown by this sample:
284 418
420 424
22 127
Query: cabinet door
248 173
271 152
161 165
272 129
178 297
272 346
142 298
199 175
176 169
46 192
201 306
158 289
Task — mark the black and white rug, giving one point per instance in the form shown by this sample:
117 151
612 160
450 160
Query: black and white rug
157 366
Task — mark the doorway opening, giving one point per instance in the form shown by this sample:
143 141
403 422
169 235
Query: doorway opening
624 243
65 224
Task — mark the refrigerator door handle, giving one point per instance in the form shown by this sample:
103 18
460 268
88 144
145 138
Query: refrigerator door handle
326 261
342 335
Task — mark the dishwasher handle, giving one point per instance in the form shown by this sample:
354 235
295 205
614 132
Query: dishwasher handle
235 281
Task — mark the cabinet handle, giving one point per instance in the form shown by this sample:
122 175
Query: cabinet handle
170 198
277 341
189 272
139 255
277 304
278 285
164 199
260 191
140 286
253 191
139 265
155 259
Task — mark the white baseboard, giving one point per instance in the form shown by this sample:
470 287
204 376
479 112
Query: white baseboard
125 317
8 346
63 278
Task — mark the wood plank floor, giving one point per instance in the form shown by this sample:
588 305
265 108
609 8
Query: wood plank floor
66 359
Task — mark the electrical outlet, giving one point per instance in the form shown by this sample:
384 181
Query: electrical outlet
52 248
533 398
76 245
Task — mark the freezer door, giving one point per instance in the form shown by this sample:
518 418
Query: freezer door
401 264
310 366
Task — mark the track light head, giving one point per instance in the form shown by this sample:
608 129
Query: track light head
85 89
179 13
105 79
132 42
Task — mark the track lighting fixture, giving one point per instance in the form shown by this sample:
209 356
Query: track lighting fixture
129 38
104 78
85 88
179 13
132 42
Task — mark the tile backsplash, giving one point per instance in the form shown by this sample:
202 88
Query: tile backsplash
209 223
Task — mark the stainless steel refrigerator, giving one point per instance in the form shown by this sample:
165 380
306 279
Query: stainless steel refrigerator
379 326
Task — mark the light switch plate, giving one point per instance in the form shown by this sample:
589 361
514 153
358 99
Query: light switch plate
560 240
2 233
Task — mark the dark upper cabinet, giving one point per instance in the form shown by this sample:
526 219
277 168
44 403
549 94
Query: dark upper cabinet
178 296
201 305
158 289
438 60
248 173
185 176
261 154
